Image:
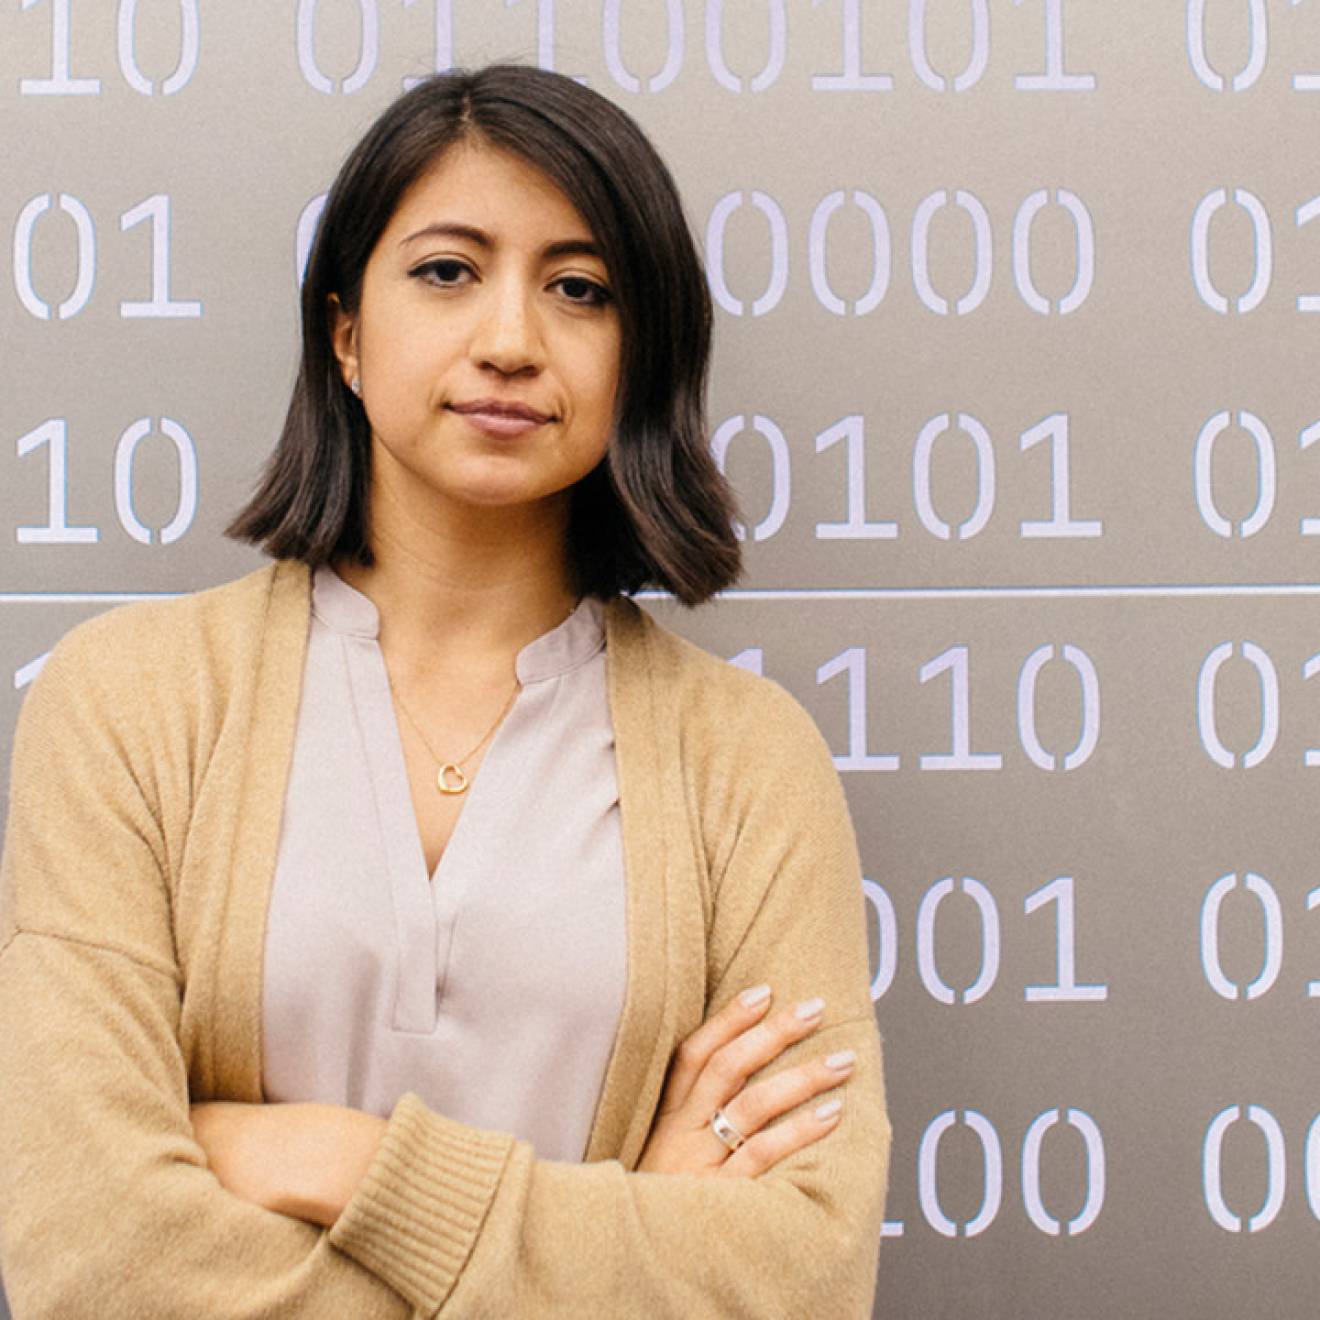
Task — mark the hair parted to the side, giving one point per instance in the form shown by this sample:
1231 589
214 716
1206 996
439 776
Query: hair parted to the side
656 511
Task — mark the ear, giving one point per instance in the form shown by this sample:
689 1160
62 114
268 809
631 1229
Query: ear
343 339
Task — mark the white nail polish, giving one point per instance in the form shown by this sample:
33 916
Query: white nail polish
843 1059
808 1009
758 994
827 1111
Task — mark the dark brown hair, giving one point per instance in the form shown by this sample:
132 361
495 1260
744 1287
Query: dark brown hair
656 511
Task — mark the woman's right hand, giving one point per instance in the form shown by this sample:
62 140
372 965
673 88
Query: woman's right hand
709 1071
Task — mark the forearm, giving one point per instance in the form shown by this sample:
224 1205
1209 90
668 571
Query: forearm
340 1146
300 1160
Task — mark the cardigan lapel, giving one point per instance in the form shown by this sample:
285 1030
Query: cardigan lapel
637 1065
245 863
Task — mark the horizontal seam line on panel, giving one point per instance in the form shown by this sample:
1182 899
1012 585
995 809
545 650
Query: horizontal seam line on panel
1008 593
86 597
808 593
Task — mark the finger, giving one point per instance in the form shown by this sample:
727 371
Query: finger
729 1067
768 1147
755 1106
741 1012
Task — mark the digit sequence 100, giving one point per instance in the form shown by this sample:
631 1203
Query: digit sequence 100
1065 1148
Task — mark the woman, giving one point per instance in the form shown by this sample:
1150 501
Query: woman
429 806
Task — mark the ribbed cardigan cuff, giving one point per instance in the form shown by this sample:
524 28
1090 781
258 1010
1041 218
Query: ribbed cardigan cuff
416 1213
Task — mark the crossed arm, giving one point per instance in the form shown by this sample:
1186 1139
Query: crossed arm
307 1160
109 1201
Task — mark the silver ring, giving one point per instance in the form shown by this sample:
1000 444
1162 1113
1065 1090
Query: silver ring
725 1130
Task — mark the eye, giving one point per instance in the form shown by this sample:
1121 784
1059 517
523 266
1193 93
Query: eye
444 272
585 292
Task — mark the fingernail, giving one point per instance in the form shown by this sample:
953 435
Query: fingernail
843 1059
808 1009
758 994
828 1110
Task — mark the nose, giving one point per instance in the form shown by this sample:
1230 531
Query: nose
507 337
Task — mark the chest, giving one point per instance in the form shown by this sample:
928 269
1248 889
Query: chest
443 757
526 862
472 947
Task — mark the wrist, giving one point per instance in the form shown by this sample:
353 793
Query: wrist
329 1152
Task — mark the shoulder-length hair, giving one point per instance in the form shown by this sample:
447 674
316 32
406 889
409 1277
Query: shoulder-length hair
656 511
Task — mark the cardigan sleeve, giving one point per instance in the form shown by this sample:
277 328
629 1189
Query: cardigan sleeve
107 1207
597 1239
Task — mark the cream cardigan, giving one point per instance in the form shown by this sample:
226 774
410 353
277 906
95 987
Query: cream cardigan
148 783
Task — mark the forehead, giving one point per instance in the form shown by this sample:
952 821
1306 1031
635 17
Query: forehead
490 188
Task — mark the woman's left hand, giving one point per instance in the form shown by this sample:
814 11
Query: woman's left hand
709 1072
302 1160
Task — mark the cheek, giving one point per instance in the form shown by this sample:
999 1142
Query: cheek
599 412
588 368
387 349
606 375
607 390
397 340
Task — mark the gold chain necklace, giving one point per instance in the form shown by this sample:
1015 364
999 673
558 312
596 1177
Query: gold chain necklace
450 779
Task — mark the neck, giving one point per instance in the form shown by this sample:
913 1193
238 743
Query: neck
471 589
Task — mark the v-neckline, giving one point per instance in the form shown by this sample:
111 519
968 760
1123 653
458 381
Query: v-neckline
570 643
474 793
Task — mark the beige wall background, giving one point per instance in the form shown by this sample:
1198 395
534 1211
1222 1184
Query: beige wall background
1017 305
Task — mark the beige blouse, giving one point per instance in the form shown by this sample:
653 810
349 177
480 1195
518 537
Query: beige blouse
493 987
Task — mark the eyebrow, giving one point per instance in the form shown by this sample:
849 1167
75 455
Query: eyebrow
566 247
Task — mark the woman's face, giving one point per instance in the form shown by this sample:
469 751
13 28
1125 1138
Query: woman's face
486 340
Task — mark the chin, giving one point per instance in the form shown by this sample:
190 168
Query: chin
506 485
507 497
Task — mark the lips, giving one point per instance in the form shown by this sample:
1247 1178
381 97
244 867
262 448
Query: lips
501 408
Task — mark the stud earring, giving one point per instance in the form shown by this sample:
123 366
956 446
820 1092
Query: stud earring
356 386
